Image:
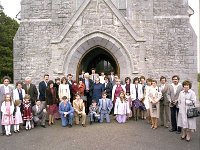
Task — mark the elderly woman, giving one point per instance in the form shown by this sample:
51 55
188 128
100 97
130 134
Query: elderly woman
97 90
187 99
154 104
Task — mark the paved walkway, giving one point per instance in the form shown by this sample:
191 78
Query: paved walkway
129 136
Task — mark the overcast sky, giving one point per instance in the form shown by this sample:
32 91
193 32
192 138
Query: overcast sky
12 7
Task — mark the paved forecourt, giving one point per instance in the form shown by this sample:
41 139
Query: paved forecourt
131 135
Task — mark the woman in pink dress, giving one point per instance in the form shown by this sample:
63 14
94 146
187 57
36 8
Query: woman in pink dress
17 116
7 109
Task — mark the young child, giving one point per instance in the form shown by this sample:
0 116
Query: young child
94 112
27 112
105 106
121 108
129 101
7 109
17 116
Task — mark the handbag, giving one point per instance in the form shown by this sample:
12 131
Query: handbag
192 112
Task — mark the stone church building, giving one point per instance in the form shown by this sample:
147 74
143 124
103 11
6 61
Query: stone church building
130 37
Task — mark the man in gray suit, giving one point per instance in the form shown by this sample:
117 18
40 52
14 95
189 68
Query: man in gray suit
4 89
164 103
173 93
39 114
94 75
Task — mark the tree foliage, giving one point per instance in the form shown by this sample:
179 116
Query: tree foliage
8 29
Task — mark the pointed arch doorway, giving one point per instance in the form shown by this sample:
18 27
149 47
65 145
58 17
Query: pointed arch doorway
100 59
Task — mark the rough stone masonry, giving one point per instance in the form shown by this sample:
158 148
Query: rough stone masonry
146 37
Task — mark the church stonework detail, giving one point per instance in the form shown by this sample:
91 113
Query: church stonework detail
150 38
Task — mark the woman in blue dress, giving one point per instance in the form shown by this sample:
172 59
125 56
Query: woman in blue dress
97 90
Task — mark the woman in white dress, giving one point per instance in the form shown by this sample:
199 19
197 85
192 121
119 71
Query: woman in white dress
154 104
64 89
187 99
146 100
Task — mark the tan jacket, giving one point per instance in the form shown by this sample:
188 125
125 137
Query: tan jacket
79 106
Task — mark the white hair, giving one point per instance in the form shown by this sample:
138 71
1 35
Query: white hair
28 78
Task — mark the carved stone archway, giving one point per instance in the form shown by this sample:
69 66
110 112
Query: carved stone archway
112 45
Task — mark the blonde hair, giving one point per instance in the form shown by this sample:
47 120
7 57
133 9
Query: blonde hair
27 96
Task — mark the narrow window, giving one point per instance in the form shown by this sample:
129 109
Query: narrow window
122 6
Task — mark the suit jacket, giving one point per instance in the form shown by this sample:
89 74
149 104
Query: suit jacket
173 97
37 113
110 79
42 89
108 103
32 91
108 89
2 92
91 86
95 76
16 94
79 107
164 98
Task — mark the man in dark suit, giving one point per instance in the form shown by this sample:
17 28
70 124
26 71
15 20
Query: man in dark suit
108 87
31 90
88 90
42 88
70 82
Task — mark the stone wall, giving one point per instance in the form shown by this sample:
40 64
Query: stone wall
156 31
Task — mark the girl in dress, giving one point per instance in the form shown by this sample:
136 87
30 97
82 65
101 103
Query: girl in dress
27 112
7 109
129 101
17 116
121 108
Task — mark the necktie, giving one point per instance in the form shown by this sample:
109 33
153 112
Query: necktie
38 108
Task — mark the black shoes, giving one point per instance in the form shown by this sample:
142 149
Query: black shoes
43 126
172 130
70 125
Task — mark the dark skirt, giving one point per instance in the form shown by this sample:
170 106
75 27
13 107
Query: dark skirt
137 104
52 109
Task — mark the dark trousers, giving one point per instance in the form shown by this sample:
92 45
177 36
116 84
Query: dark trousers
89 102
174 114
3 131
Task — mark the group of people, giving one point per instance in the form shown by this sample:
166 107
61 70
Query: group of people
98 96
